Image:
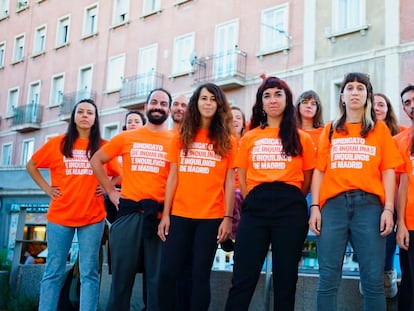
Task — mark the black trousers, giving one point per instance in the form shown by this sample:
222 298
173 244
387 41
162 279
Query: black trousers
273 214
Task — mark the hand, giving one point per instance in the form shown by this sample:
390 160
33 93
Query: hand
114 196
164 227
54 192
403 237
386 222
224 231
99 191
315 220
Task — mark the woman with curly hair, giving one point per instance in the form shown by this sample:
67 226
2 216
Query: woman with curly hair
275 162
198 206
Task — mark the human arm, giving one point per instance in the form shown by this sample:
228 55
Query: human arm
224 230
387 216
170 188
242 181
403 237
307 178
315 219
37 177
97 162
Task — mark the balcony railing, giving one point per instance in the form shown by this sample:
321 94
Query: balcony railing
225 69
27 118
135 89
69 100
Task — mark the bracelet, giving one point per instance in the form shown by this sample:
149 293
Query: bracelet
388 209
227 216
310 206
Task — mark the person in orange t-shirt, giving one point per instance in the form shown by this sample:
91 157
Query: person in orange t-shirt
353 189
145 169
275 162
77 204
198 208
405 205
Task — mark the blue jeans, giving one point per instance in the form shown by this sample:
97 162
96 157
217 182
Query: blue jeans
59 240
352 216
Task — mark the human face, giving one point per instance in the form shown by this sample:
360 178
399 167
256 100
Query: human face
133 121
237 122
274 102
158 108
408 103
207 105
85 116
380 107
179 106
354 95
308 108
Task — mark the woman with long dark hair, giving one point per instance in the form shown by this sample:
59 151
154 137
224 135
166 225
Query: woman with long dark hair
275 162
198 207
77 205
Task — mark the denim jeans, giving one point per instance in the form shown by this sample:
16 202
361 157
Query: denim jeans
351 216
59 240
406 291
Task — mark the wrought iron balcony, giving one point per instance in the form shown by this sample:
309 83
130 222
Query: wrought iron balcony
227 70
135 89
27 118
69 101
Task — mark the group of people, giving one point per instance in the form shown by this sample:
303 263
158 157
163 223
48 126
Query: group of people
216 178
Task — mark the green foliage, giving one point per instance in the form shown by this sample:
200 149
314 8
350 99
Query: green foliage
5 262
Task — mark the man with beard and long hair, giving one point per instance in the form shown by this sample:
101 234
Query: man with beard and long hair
133 235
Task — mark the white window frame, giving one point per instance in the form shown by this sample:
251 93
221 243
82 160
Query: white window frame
335 89
183 47
150 7
4 8
120 12
110 130
63 31
33 94
226 39
90 20
57 87
2 53
18 48
85 80
147 66
9 155
274 29
343 14
49 136
39 46
116 71
12 101
27 150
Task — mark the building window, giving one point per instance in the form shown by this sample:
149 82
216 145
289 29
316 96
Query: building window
110 131
18 51
274 29
183 47
6 154
226 43
147 64
84 83
90 23
151 6
22 4
121 11
56 90
12 101
4 8
34 93
27 151
39 46
48 137
116 68
62 34
2 53
348 15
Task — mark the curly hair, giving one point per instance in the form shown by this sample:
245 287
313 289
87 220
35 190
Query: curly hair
288 127
95 139
220 130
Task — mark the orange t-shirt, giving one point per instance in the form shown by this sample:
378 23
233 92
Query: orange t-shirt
78 205
315 134
352 162
260 154
201 178
144 165
403 141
